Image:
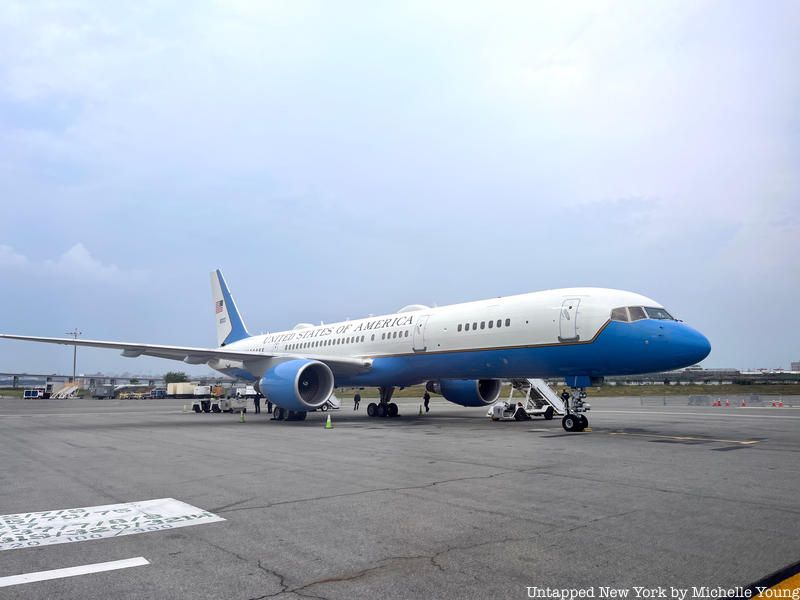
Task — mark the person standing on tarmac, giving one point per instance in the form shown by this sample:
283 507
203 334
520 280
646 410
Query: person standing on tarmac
426 400
269 407
257 402
356 401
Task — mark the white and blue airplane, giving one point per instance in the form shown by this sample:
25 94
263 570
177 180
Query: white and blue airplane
462 351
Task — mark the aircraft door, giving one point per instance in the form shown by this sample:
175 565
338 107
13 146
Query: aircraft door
419 334
568 322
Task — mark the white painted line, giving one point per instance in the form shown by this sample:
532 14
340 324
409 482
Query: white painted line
26 530
708 415
139 561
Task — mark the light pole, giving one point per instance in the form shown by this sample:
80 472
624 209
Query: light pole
74 333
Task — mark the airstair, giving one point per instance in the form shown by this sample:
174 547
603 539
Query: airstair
68 391
539 394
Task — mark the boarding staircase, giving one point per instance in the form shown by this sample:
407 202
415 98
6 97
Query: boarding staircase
68 391
539 394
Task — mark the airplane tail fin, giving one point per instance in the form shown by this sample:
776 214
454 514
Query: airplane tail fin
230 327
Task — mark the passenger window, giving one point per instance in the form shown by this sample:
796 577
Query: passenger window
466 327
474 325
483 324
508 322
373 338
394 335
491 324
459 326
499 322
406 332
637 313
383 336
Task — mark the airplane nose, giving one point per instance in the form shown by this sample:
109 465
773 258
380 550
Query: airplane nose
696 345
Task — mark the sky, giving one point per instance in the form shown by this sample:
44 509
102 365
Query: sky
340 159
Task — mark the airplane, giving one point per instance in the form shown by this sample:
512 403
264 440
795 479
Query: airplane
462 351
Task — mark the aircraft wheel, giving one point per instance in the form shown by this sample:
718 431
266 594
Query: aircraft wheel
372 409
392 409
570 423
196 409
548 413
584 422
279 413
381 410
300 415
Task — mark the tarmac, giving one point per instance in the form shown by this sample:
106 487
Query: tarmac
444 505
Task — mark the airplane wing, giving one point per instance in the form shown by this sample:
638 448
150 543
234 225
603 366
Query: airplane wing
340 365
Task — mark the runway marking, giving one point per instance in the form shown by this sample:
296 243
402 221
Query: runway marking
113 565
686 438
83 414
28 530
694 414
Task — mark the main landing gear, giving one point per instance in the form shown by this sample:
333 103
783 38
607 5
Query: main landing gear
575 420
384 408
281 414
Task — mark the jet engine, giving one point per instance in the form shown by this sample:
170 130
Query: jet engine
298 385
467 392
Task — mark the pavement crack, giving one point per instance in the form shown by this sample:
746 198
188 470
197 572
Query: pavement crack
373 491
358 574
281 578
232 504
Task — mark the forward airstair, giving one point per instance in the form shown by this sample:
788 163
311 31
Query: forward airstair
543 395
68 391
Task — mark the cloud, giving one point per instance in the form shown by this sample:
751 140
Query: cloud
76 264
10 258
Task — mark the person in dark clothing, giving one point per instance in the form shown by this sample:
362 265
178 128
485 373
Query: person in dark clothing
257 402
564 395
426 400
356 401
269 407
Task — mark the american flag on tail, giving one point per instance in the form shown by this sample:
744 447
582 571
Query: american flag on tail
218 306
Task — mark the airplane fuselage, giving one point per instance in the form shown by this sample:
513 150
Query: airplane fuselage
553 333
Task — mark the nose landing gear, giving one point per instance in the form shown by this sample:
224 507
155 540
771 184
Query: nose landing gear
575 406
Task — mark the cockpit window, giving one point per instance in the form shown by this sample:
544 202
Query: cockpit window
620 314
636 312
658 313
626 314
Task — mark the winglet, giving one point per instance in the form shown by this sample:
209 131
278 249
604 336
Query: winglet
230 327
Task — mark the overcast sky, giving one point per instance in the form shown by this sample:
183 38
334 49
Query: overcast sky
337 159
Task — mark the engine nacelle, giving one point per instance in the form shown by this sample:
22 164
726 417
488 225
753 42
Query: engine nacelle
467 392
298 385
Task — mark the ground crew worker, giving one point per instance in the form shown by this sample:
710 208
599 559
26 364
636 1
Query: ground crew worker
269 406
356 401
564 395
426 400
257 402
